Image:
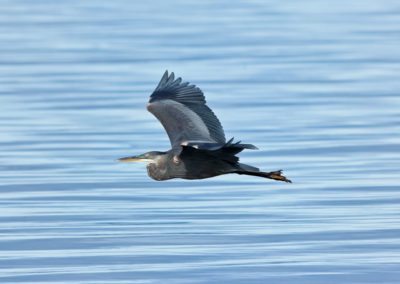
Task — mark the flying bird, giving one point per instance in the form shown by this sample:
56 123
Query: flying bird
198 146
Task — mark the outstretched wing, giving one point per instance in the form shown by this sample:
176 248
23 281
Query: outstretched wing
181 108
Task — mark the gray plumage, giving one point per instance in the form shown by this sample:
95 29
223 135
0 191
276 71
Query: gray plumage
181 108
198 145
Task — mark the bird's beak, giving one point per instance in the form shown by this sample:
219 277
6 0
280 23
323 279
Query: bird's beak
133 159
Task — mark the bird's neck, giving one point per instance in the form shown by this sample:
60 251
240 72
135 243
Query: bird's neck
158 168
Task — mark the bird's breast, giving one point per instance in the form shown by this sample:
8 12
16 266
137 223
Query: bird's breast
157 172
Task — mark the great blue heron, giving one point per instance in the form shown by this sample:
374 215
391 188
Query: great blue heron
199 149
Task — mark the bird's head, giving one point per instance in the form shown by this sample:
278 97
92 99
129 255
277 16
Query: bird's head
150 157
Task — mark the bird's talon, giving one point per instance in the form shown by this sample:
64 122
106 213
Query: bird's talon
277 175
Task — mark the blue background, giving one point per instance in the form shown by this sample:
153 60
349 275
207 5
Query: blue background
314 84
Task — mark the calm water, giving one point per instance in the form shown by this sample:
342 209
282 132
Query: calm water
314 86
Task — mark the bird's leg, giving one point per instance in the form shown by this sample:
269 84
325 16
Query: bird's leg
277 175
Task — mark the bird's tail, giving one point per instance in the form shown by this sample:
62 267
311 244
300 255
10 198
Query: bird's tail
276 175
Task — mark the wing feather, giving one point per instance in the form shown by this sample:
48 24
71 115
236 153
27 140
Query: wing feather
181 108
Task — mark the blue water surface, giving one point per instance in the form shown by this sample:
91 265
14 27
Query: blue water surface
314 84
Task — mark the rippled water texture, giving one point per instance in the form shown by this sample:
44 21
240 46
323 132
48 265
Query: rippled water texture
314 85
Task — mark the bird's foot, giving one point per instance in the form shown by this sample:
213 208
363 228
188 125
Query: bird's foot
277 175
